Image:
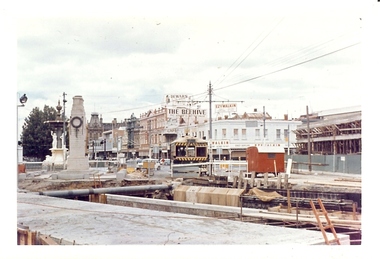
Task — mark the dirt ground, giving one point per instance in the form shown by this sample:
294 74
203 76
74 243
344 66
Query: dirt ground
35 184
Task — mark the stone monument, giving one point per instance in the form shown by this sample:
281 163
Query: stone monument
77 161
57 160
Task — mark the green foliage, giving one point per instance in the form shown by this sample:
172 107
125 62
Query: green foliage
36 137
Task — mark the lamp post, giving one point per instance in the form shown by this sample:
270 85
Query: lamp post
23 99
104 142
93 150
64 123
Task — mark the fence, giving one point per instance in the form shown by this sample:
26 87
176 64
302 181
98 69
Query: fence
38 166
348 164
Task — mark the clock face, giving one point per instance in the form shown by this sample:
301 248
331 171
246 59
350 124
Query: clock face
76 122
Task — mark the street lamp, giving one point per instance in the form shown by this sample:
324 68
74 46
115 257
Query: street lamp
104 142
93 150
23 99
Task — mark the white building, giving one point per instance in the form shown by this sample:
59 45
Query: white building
231 135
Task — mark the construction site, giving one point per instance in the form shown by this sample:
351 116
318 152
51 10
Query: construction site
260 201
306 209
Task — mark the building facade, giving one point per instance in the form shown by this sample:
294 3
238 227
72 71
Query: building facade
150 135
231 135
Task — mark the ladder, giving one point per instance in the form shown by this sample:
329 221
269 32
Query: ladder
322 227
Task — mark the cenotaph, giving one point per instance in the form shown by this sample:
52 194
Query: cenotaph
77 162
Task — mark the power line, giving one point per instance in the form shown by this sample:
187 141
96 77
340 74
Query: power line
266 36
288 67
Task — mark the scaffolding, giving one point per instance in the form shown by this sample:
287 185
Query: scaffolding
332 134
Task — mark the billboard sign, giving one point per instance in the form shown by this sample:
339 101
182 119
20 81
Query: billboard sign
225 107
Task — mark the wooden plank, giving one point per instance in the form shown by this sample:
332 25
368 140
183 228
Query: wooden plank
348 184
204 195
46 240
180 193
191 194
219 196
233 197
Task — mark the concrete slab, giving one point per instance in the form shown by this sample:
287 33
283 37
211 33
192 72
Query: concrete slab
103 224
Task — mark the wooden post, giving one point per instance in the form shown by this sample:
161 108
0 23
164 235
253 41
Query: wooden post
241 208
240 183
103 198
258 183
265 180
354 216
279 181
245 184
286 185
252 180
297 213
289 204
234 184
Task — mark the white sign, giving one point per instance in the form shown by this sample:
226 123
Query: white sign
170 98
183 116
219 143
225 107
184 111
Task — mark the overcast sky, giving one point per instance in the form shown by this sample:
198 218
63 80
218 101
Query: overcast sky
125 59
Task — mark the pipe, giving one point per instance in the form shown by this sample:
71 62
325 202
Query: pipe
86 192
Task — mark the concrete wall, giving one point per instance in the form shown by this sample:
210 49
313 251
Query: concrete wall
205 210
208 195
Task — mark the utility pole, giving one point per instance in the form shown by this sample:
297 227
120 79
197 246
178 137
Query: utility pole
288 135
210 101
64 128
308 138
64 120
264 121
210 125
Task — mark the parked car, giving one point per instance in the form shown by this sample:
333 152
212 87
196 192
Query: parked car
157 165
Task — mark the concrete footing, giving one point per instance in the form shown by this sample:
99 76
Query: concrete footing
104 224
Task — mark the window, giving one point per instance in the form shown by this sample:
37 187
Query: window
244 133
236 133
257 133
250 124
286 134
224 133
278 133
216 134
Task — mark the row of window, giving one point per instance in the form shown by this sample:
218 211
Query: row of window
243 134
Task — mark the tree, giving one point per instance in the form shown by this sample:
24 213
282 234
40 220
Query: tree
36 134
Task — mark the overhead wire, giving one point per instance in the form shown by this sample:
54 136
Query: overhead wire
285 60
290 66
246 56
303 53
